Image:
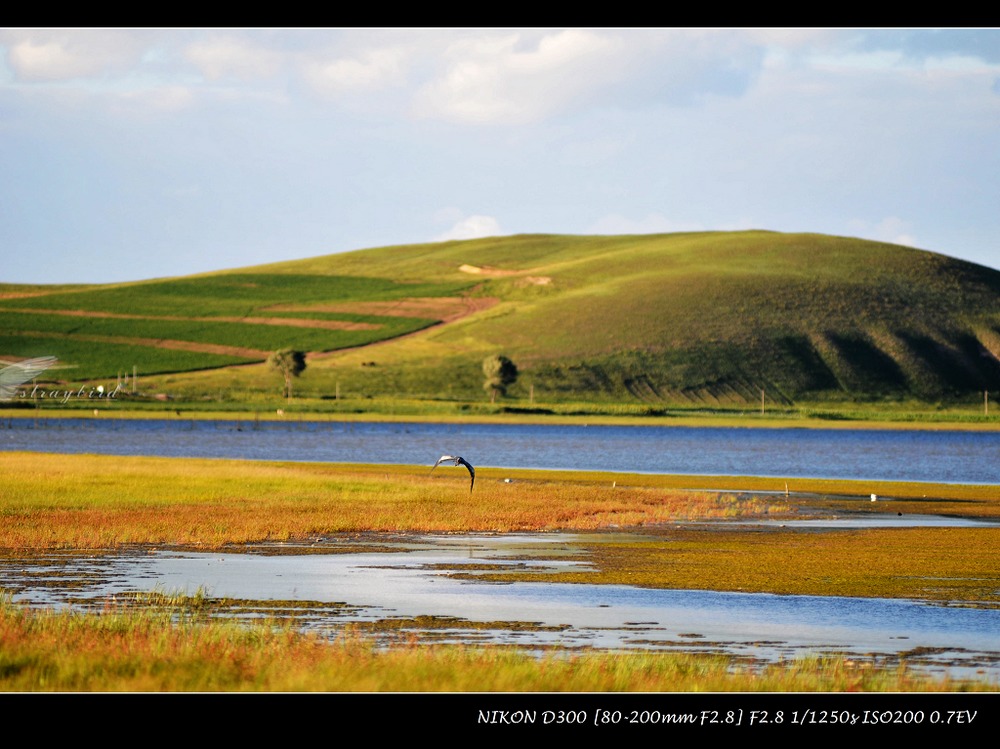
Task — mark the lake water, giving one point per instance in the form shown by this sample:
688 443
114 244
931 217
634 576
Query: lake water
963 457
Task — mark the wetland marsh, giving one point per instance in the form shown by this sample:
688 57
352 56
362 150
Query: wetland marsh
506 590
542 561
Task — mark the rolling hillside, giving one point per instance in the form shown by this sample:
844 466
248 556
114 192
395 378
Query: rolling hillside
710 318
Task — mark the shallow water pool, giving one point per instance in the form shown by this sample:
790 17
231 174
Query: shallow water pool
395 579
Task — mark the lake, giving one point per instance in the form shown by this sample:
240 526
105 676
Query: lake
961 457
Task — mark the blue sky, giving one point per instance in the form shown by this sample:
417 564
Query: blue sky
132 154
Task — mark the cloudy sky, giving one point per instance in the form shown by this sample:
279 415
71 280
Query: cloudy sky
132 154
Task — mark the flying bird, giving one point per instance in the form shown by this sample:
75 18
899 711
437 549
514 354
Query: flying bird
20 372
458 461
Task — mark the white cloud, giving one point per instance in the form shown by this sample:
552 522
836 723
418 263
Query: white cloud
47 60
41 56
230 57
303 137
519 77
511 78
471 227
368 71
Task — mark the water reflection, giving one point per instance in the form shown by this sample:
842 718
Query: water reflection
880 520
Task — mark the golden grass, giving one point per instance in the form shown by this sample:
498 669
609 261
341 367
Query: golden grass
87 501
100 502
126 650
91 501
939 564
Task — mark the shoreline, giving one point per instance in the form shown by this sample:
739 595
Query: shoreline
700 420
804 487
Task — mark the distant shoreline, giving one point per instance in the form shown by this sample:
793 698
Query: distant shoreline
186 412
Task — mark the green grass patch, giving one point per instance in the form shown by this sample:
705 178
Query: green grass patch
82 360
250 335
229 294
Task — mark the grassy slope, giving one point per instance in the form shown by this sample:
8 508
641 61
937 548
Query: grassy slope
709 318
704 318
222 318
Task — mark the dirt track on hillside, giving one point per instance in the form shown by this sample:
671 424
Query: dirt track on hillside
459 307
445 308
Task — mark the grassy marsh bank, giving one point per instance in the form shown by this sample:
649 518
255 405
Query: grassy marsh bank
175 650
95 501
948 565
106 502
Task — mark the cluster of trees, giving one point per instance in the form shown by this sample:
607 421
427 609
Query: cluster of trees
500 371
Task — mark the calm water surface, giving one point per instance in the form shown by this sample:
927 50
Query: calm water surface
895 455
409 578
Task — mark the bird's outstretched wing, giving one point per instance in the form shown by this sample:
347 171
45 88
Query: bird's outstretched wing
20 372
443 459
458 460
472 471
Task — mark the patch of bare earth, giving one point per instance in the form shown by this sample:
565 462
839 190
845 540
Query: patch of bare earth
21 294
299 322
445 309
485 270
202 348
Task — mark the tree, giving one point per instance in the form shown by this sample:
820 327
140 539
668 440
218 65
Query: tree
290 363
500 373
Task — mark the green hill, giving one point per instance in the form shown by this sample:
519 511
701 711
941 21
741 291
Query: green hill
708 318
